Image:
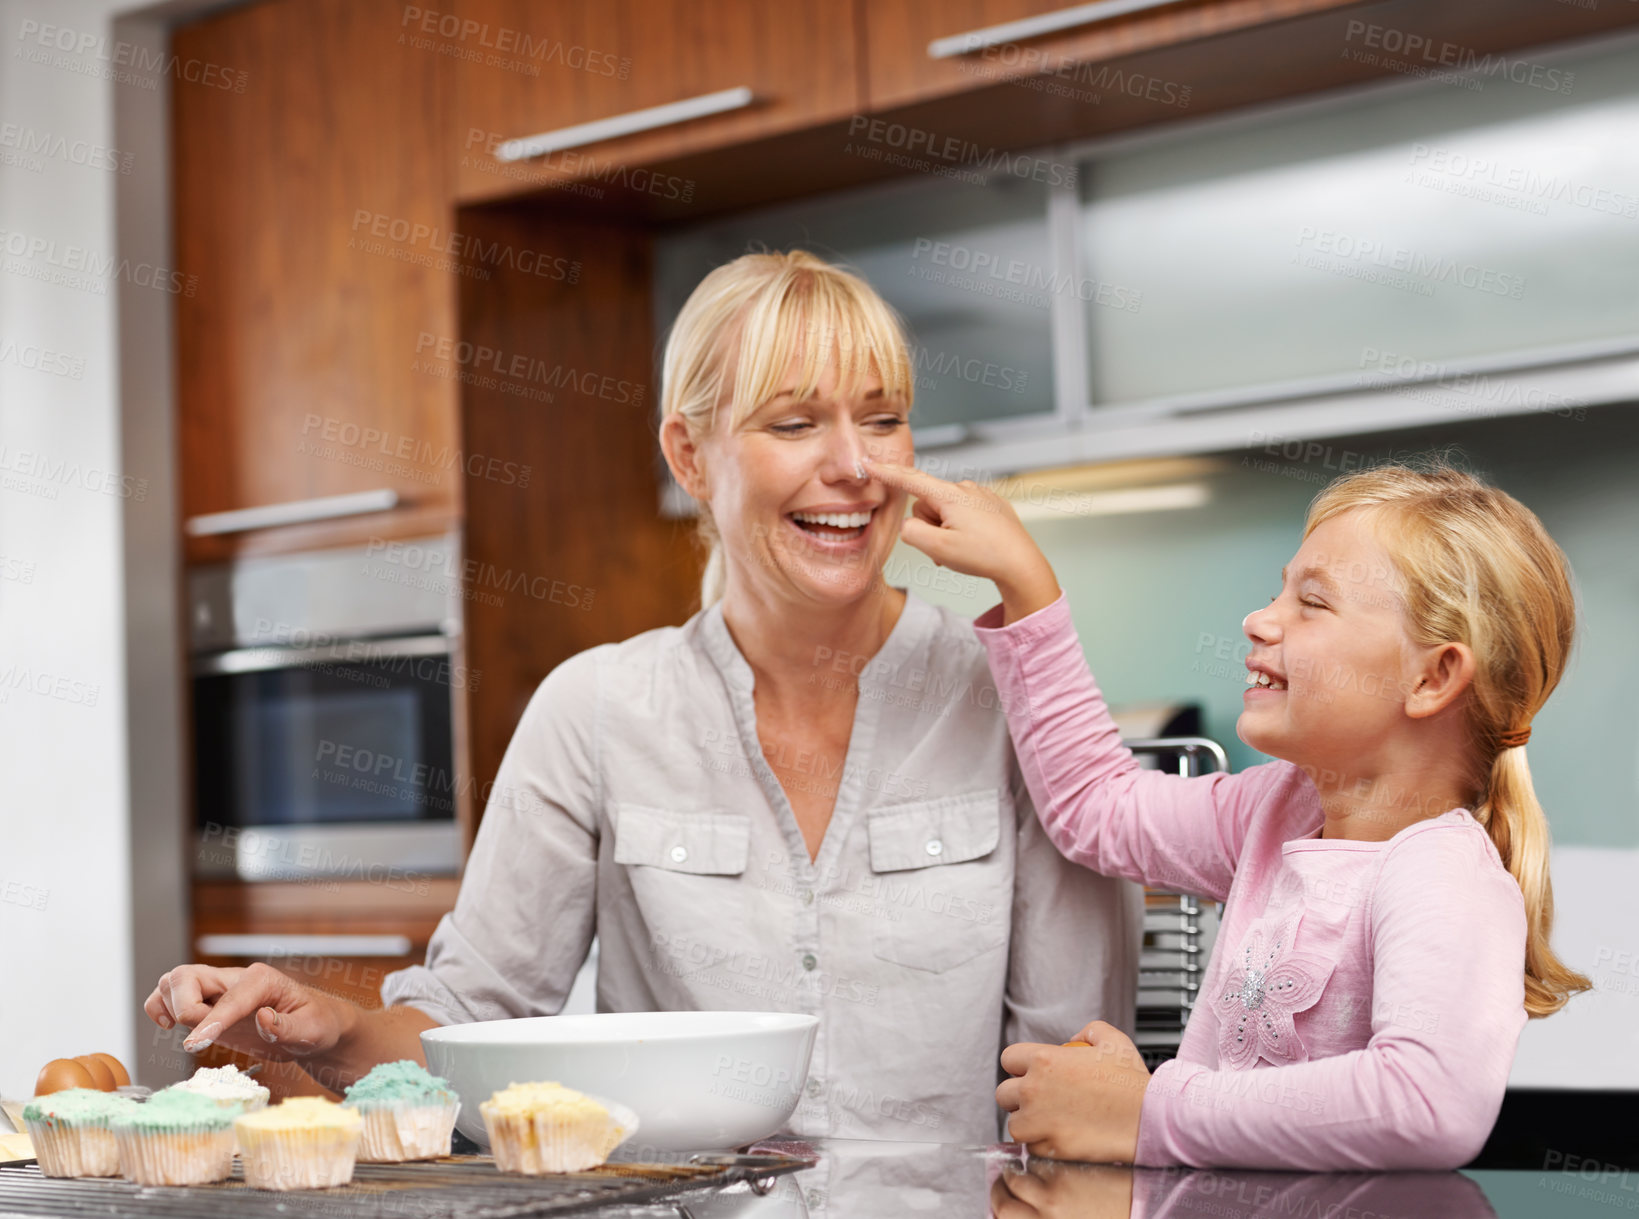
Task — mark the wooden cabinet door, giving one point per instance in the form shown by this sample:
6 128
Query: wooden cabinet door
312 213
900 69
522 67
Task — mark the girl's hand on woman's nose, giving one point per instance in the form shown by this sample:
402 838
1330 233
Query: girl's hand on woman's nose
1076 1101
971 529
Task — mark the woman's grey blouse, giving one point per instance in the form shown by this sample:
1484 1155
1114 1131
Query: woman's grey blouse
937 925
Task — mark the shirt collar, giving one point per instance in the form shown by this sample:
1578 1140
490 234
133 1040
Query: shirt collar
914 626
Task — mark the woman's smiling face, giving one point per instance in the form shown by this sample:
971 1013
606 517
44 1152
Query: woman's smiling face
797 519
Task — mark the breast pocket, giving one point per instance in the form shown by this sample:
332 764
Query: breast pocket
684 867
944 886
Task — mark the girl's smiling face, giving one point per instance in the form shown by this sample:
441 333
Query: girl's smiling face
1331 657
796 517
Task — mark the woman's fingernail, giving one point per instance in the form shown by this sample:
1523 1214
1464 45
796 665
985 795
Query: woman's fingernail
201 1039
266 1035
859 469
166 1022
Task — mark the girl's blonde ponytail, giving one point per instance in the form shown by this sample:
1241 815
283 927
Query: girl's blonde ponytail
1519 828
1478 568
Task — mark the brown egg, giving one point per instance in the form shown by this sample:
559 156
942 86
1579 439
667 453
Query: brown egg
121 1076
102 1078
62 1073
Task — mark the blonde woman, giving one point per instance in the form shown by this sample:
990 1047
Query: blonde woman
1386 933
804 799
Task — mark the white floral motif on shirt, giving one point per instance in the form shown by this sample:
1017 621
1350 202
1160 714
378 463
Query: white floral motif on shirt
1267 984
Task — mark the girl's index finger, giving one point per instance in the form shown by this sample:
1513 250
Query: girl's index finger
917 482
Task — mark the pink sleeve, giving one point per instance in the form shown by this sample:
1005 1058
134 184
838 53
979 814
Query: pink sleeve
1448 1004
1097 804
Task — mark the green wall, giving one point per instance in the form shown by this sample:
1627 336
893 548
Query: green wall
1154 593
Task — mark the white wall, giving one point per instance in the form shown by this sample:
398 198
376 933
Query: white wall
91 891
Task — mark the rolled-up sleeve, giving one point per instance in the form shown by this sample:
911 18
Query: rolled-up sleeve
525 915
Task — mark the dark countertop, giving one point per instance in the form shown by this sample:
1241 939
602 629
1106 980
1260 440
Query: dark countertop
909 1179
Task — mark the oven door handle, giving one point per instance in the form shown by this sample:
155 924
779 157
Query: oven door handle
354 651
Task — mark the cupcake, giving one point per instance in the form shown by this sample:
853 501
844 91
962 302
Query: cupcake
174 1138
546 1127
229 1087
69 1130
300 1143
408 1113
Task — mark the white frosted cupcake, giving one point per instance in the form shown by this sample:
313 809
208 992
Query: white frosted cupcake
408 1113
545 1127
301 1143
69 1130
229 1087
174 1138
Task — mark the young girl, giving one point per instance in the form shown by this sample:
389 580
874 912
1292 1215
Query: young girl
1388 909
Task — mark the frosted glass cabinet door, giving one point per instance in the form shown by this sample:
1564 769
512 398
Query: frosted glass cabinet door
1428 225
964 264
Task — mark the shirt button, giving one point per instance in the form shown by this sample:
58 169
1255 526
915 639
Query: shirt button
809 960
814 1087
815 1199
679 854
808 897
935 847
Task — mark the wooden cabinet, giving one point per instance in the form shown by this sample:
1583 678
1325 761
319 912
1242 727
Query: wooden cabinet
901 70
313 224
522 67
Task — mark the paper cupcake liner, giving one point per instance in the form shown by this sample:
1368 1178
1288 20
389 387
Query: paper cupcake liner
74 1151
409 1132
298 1159
188 1157
540 1143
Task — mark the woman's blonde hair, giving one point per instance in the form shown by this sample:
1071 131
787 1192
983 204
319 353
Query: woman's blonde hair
1478 568
736 336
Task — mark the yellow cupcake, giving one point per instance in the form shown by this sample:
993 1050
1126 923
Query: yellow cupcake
545 1127
301 1143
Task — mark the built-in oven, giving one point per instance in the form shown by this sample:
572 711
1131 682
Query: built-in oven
326 697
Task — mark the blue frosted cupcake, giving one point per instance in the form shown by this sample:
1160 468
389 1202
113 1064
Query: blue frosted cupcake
408 1113
175 1138
70 1132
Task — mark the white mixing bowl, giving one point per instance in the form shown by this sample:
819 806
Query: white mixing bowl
697 1080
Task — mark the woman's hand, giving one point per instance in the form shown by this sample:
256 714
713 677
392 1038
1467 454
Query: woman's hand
1076 1102
257 1010
971 529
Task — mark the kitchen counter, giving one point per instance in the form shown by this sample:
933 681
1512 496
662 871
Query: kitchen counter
868 1179
905 1179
